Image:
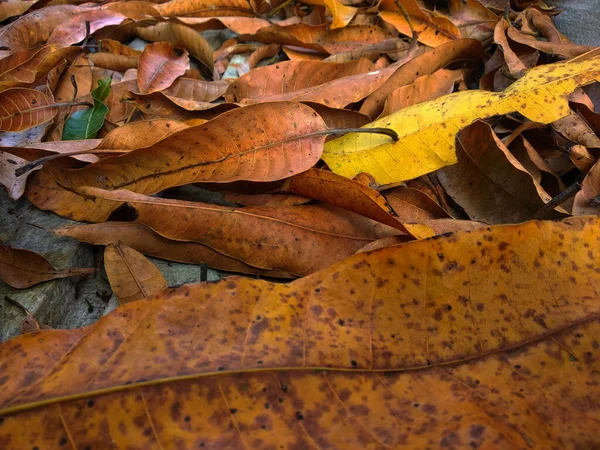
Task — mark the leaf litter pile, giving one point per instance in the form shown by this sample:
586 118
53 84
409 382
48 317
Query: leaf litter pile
412 188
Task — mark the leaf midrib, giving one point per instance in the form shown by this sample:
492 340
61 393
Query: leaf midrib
134 386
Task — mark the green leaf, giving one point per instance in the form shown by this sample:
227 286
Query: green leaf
86 123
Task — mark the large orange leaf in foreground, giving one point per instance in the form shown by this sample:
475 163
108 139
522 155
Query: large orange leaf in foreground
482 339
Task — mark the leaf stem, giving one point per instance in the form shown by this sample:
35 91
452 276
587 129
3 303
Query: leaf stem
33 164
386 131
558 200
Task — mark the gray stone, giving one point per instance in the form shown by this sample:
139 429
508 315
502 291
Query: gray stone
69 302
55 303
579 21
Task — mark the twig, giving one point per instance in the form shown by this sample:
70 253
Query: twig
87 33
279 7
558 200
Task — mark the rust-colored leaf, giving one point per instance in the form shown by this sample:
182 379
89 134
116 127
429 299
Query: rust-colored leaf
230 153
295 78
340 191
488 317
180 36
144 240
34 29
205 8
131 275
21 268
427 63
413 205
299 239
74 30
159 66
427 87
21 109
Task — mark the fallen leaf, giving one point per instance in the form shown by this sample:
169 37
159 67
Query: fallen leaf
566 50
29 65
427 63
181 37
488 182
34 29
427 87
230 154
265 199
587 201
159 66
145 133
313 350
576 129
427 131
514 64
15 186
342 14
298 239
582 158
340 191
293 78
21 268
74 29
141 238
431 31
11 9
131 276
205 8
86 123
21 109
413 205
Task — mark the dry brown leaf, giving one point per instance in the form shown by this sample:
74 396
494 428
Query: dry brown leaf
131 276
21 109
298 240
144 240
427 63
180 36
488 182
424 88
413 205
230 154
74 29
159 66
21 268
34 29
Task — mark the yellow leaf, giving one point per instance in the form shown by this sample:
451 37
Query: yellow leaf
342 14
427 130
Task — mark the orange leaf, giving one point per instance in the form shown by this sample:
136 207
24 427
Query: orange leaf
21 109
144 240
249 364
74 30
242 144
342 192
297 239
131 276
159 66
